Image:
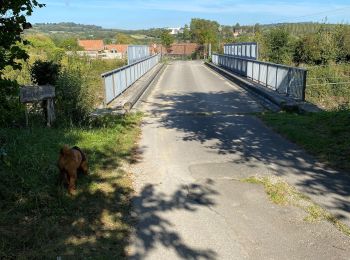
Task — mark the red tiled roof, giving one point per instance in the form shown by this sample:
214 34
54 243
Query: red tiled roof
91 45
122 48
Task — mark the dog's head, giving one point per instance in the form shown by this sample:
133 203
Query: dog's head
69 158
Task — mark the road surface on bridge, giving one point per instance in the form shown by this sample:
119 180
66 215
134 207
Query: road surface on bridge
199 138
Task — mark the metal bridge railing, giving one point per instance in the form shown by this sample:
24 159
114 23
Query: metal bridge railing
247 50
118 80
285 80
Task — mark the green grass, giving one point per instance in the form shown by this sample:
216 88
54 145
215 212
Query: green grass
38 219
278 191
326 135
281 193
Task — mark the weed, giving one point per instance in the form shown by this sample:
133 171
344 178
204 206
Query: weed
281 193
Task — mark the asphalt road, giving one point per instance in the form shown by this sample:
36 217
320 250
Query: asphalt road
199 137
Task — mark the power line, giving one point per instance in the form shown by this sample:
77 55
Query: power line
329 83
315 14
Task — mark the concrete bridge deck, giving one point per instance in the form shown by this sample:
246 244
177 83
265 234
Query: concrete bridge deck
200 136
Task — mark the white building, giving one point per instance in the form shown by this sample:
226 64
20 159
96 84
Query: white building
174 31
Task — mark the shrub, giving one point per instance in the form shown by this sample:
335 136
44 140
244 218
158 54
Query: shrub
75 99
44 72
10 108
278 43
307 51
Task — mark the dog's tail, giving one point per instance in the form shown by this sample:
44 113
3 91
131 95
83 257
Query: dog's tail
65 150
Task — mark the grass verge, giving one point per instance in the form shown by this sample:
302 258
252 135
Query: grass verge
281 193
326 135
38 219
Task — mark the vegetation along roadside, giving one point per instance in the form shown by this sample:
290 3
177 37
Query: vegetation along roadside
35 207
326 135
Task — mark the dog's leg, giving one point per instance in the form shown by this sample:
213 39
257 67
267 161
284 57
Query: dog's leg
72 175
84 167
64 177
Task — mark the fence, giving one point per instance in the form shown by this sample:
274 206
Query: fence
248 50
288 81
137 52
116 81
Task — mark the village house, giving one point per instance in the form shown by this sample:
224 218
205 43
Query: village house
92 48
96 49
116 49
175 31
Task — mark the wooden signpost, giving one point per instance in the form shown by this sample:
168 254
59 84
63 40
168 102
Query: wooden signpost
44 94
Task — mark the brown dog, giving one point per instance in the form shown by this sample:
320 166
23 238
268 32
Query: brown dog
70 161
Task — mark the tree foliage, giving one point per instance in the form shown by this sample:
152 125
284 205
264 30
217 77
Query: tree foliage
278 44
45 72
12 23
306 50
68 43
166 38
186 35
342 41
204 31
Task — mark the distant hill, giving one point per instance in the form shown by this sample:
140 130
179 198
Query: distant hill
145 36
83 31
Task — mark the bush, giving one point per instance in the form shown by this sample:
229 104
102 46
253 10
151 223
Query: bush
326 87
10 107
307 51
75 99
44 72
278 43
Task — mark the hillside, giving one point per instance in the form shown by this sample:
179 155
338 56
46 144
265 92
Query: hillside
66 30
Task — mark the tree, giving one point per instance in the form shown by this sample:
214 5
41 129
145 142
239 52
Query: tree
325 44
278 45
12 23
306 50
342 40
166 38
186 35
205 31
69 44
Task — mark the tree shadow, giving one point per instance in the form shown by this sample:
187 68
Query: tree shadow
224 123
152 228
39 219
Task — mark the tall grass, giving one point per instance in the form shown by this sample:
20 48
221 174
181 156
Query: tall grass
329 86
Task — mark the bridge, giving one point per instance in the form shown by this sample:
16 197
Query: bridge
200 138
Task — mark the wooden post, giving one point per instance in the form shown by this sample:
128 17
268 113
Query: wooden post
26 113
50 112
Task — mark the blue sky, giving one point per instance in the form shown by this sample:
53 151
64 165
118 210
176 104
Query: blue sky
139 14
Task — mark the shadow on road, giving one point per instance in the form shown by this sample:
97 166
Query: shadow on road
225 119
154 229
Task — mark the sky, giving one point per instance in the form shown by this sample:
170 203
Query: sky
143 14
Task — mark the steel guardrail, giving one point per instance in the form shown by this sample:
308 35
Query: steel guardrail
286 80
118 80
